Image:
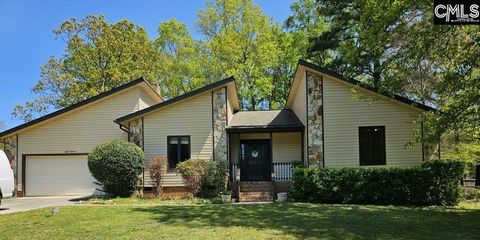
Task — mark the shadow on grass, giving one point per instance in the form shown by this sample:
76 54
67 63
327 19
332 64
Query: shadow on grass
327 221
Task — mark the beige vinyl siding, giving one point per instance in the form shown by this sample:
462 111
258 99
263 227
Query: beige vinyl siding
286 146
80 130
300 99
145 100
343 116
233 148
192 117
230 111
299 105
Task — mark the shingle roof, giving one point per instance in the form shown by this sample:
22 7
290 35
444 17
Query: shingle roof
284 119
175 99
364 86
75 106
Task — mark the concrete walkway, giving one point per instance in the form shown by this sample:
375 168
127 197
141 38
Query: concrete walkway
13 205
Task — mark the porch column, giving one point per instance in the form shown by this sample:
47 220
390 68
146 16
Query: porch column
237 177
272 170
303 148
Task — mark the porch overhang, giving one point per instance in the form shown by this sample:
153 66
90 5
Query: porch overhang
256 129
284 120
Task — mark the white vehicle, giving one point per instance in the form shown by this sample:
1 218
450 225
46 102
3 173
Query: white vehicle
6 177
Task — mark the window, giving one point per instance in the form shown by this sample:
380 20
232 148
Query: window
372 145
178 149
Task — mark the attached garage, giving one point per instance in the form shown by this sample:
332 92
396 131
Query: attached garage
49 154
58 175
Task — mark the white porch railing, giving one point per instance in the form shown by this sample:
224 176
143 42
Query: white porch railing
283 171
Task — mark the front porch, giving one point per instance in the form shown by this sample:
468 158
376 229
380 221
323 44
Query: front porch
260 156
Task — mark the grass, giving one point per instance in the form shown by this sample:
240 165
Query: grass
193 219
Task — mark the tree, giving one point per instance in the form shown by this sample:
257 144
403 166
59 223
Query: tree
240 41
181 56
98 57
304 24
289 51
360 36
394 46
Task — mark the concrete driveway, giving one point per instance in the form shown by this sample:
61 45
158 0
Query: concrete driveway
13 205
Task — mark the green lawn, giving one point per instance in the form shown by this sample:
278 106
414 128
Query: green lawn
153 219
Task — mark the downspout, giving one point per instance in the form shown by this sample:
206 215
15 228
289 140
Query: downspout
123 128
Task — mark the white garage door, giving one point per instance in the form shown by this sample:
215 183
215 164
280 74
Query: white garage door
58 175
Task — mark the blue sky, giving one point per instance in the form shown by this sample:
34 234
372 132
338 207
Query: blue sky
26 39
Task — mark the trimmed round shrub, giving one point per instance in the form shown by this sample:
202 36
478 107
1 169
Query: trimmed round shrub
116 165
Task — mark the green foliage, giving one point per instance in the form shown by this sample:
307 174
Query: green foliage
98 57
394 46
116 165
434 183
471 194
241 40
194 174
238 39
182 68
297 164
468 151
217 175
444 181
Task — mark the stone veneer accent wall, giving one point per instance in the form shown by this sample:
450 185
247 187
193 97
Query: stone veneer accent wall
11 150
315 119
219 121
136 132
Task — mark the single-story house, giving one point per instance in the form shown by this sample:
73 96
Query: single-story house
328 121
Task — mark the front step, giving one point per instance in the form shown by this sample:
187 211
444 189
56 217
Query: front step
256 192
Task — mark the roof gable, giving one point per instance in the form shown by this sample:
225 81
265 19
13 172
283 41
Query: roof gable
352 81
82 104
185 96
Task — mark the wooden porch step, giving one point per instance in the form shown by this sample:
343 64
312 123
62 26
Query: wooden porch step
255 189
261 186
256 192
256 196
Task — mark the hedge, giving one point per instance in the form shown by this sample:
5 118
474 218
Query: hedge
116 165
433 183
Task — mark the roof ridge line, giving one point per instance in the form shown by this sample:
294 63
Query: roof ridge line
176 99
360 84
72 107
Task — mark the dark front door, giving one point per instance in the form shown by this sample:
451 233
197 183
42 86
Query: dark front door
255 160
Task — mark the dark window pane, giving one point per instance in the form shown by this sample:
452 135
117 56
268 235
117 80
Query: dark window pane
372 145
364 146
178 150
184 151
172 155
378 146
